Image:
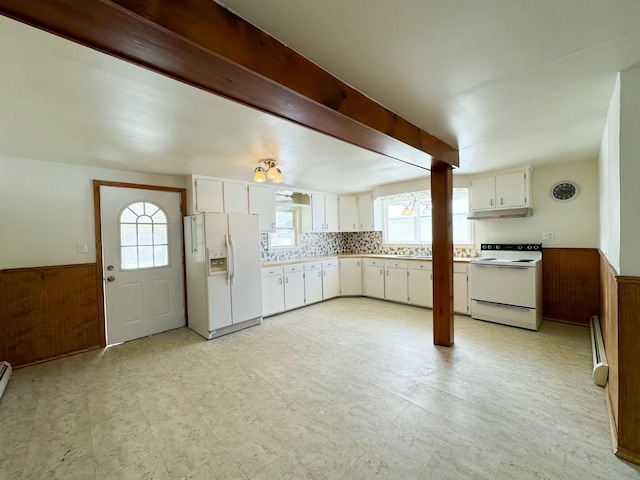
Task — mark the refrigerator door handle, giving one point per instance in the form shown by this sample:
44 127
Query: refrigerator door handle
226 243
232 276
194 231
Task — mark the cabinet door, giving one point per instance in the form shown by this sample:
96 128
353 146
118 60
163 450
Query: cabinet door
395 285
348 213
373 278
293 290
313 286
272 295
330 282
262 202
483 193
331 213
511 190
420 288
460 293
208 195
235 198
365 213
350 276
317 212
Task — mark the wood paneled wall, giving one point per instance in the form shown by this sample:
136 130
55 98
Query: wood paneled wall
570 284
609 323
620 318
48 312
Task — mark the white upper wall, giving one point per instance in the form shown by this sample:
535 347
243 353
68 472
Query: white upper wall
46 208
629 190
574 223
609 169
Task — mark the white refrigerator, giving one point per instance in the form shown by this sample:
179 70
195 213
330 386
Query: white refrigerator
224 287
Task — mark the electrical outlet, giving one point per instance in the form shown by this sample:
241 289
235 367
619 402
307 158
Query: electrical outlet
547 236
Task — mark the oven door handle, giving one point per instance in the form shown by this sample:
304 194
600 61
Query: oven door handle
515 267
503 305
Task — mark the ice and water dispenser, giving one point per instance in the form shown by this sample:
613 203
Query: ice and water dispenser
217 261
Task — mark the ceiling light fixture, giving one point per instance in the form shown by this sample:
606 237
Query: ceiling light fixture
269 170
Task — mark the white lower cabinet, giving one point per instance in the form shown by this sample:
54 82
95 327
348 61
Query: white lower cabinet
373 278
395 282
460 289
313 282
272 291
293 287
350 276
330 279
403 281
420 284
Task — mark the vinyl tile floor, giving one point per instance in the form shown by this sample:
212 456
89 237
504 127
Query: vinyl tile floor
352 388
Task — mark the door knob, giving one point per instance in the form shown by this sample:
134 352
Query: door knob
110 267
110 278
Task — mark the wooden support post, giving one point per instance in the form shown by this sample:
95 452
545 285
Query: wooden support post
442 250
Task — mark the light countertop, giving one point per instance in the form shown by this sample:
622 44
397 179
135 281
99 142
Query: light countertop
354 255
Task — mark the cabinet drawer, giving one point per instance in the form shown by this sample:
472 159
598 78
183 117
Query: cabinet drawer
376 262
330 263
419 265
297 267
460 267
268 271
312 266
396 263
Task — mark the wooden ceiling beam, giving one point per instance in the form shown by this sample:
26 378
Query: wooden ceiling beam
205 45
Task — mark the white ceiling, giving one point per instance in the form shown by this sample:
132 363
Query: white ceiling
508 82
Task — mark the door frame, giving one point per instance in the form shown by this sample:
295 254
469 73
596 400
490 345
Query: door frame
97 216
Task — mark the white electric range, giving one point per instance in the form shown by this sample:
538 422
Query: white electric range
505 284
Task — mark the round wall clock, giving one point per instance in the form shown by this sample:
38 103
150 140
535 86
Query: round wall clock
565 190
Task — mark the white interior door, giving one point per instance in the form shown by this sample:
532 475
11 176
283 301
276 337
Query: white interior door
142 261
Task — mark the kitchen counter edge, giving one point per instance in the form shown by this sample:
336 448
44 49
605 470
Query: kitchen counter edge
356 255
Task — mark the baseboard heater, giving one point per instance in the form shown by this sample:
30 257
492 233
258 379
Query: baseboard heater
5 373
600 365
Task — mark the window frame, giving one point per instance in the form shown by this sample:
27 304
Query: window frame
424 197
297 223
121 247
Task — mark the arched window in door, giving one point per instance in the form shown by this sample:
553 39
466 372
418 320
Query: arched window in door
144 237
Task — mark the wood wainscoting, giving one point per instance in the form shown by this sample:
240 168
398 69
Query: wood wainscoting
620 318
570 284
48 312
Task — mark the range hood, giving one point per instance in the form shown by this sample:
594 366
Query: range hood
502 213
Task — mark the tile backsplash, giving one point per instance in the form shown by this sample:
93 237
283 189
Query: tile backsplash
335 243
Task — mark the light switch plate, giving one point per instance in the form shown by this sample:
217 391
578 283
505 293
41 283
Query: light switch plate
81 247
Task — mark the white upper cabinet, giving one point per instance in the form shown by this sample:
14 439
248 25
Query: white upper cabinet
348 213
511 190
235 197
207 195
365 212
262 202
356 213
213 195
483 193
324 212
331 214
500 191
